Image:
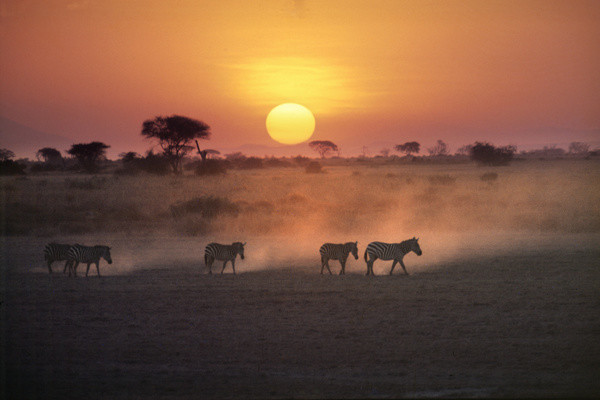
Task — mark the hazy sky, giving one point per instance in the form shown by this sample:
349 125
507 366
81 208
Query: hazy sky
518 72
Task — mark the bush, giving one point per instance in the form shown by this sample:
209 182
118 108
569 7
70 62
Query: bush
313 167
489 177
488 154
441 179
251 163
276 162
10 167
211 167
207 206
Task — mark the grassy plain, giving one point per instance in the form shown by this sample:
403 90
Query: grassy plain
503 302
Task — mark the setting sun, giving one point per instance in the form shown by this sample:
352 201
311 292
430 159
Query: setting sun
290 123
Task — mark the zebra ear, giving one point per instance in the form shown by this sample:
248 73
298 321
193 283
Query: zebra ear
243 244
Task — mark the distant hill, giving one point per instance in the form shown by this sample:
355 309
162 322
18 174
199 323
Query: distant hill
25 141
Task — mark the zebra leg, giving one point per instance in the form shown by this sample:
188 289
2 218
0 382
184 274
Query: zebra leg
98 267
393 265
224 264
209 263
49 266
74 267
322 264
343 270
327 265
88 270
233 265
403 267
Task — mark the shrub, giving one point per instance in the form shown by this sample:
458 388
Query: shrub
276 162
488 154
10 167
206 206
313 167
211 167
441 179
251 163
489 177
92 183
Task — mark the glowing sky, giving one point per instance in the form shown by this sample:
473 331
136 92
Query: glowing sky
371 71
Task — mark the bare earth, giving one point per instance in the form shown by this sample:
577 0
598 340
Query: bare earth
495 322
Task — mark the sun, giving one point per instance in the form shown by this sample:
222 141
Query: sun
290 123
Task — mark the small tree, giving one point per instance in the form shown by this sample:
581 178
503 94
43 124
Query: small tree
323 147
49 155
579 148
488 154
88 154
439 149
385 152
464 150
6 155
174 134
408 148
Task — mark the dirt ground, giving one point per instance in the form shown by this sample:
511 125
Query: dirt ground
511 320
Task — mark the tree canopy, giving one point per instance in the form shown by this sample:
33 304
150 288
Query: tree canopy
174 135
408 148
488 154
323 147
49 155
88 154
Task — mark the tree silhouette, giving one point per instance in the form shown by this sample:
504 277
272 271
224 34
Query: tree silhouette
323 147
408 148
488 154
88 154
439 149
579 148
6 155
206 152
174 134
49 155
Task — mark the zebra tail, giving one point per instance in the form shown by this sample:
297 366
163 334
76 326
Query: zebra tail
366 255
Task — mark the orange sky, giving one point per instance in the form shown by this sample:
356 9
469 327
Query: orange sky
372 72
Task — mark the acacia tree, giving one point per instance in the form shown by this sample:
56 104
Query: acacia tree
174 134
88 154
323 147
408 148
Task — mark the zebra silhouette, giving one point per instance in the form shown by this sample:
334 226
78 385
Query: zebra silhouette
391 251
223 252
56 252
340 252
88 255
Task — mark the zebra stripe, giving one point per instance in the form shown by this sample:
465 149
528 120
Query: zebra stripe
88 255
223 252
56 252
337 251
390 251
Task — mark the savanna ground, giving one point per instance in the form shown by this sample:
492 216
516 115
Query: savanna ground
504 301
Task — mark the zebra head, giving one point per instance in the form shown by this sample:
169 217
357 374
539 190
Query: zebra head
106 253
239 248
414 246
354 249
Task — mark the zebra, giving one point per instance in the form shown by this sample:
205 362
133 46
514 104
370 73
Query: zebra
89 255
333 251
223 252
391 251
57 252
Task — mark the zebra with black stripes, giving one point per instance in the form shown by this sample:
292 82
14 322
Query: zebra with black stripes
88 255
223 252
56 252
391 251
340 252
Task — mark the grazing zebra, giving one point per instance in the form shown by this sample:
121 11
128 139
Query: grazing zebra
331 251
56 252
88 255
223 252
391 251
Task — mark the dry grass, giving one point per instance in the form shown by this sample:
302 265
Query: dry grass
560 196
